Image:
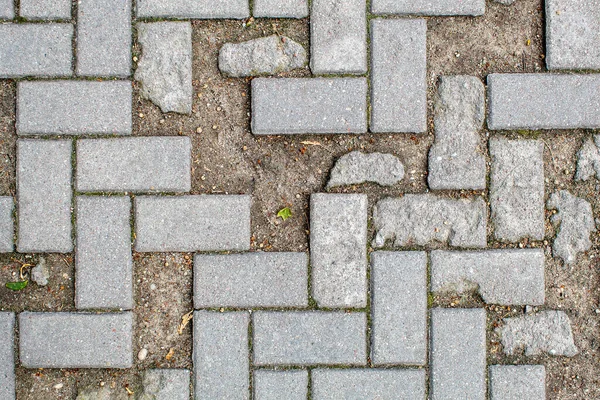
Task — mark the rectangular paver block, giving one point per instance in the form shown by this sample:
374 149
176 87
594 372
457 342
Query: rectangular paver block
192 223
7 226
280 8
104 38
338 37
338 249
458 354
166 384
75 340
399 69
429 7
140 164
399 308
74 107
543 101
251 280
7 9
196 9
44 196
517 382
309 337
45 9
35 50
309 105
517 189
103 261
7 355
360 384
221 356
277 385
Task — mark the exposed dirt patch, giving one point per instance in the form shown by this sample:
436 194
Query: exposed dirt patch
8 138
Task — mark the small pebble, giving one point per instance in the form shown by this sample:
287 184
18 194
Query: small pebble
58 386
142 354
198 130
153 287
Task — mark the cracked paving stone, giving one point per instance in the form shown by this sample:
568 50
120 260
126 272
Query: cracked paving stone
356 167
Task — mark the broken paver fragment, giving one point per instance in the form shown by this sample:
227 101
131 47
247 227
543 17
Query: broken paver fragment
588 159
40 273
165 67
264 56
544 332
575 220
101 393
355 168
166 384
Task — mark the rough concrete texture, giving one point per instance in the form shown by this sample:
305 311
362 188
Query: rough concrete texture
588 159
193 9
7 356
165 67
280 8
422 219
575 222
517 382
429 7
7 9
356 167
264 56
40 273
45 9
277 385
7 225
455 159
543 332
165 384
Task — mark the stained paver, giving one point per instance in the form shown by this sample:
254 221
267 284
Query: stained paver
75 340
103 260
517 382
140 164
45 9
309 105
276 385
543 101
398 82
7 355
35 50
517 189
280 8
309 338
458 355
358 384
338 249
195 9
104 38
44 196
429 7
74 107
338 37
7 229
399 317
166 384
251 280
221 355
7 9
192 223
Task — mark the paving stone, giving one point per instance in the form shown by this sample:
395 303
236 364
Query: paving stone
422 219
35 50
140 164
573 34
517 189
309 105
251 280
458 354
193 9
44 196
338 249
338 37
517 382
277 385
543 101
103 261
7 229
429 7
399 317
544 332
74 107
263 56
7 9
104 38
355 168
455 159
7 355
165 67
166 384
221 355
309 338
192 223
359 384
280 8
398 81
588 159
575 223
504 277
40 273
45 9
74 340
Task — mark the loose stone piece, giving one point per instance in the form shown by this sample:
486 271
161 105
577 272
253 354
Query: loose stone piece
543 101
280 8
277 385
422 219
428 7
7 9
517 189
544 332
45 9
308 338
7 229
7 355
355 168
165 67
264 56
94 392
399 69
193 9
588 159
455 159
166 384
40 273
517 382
